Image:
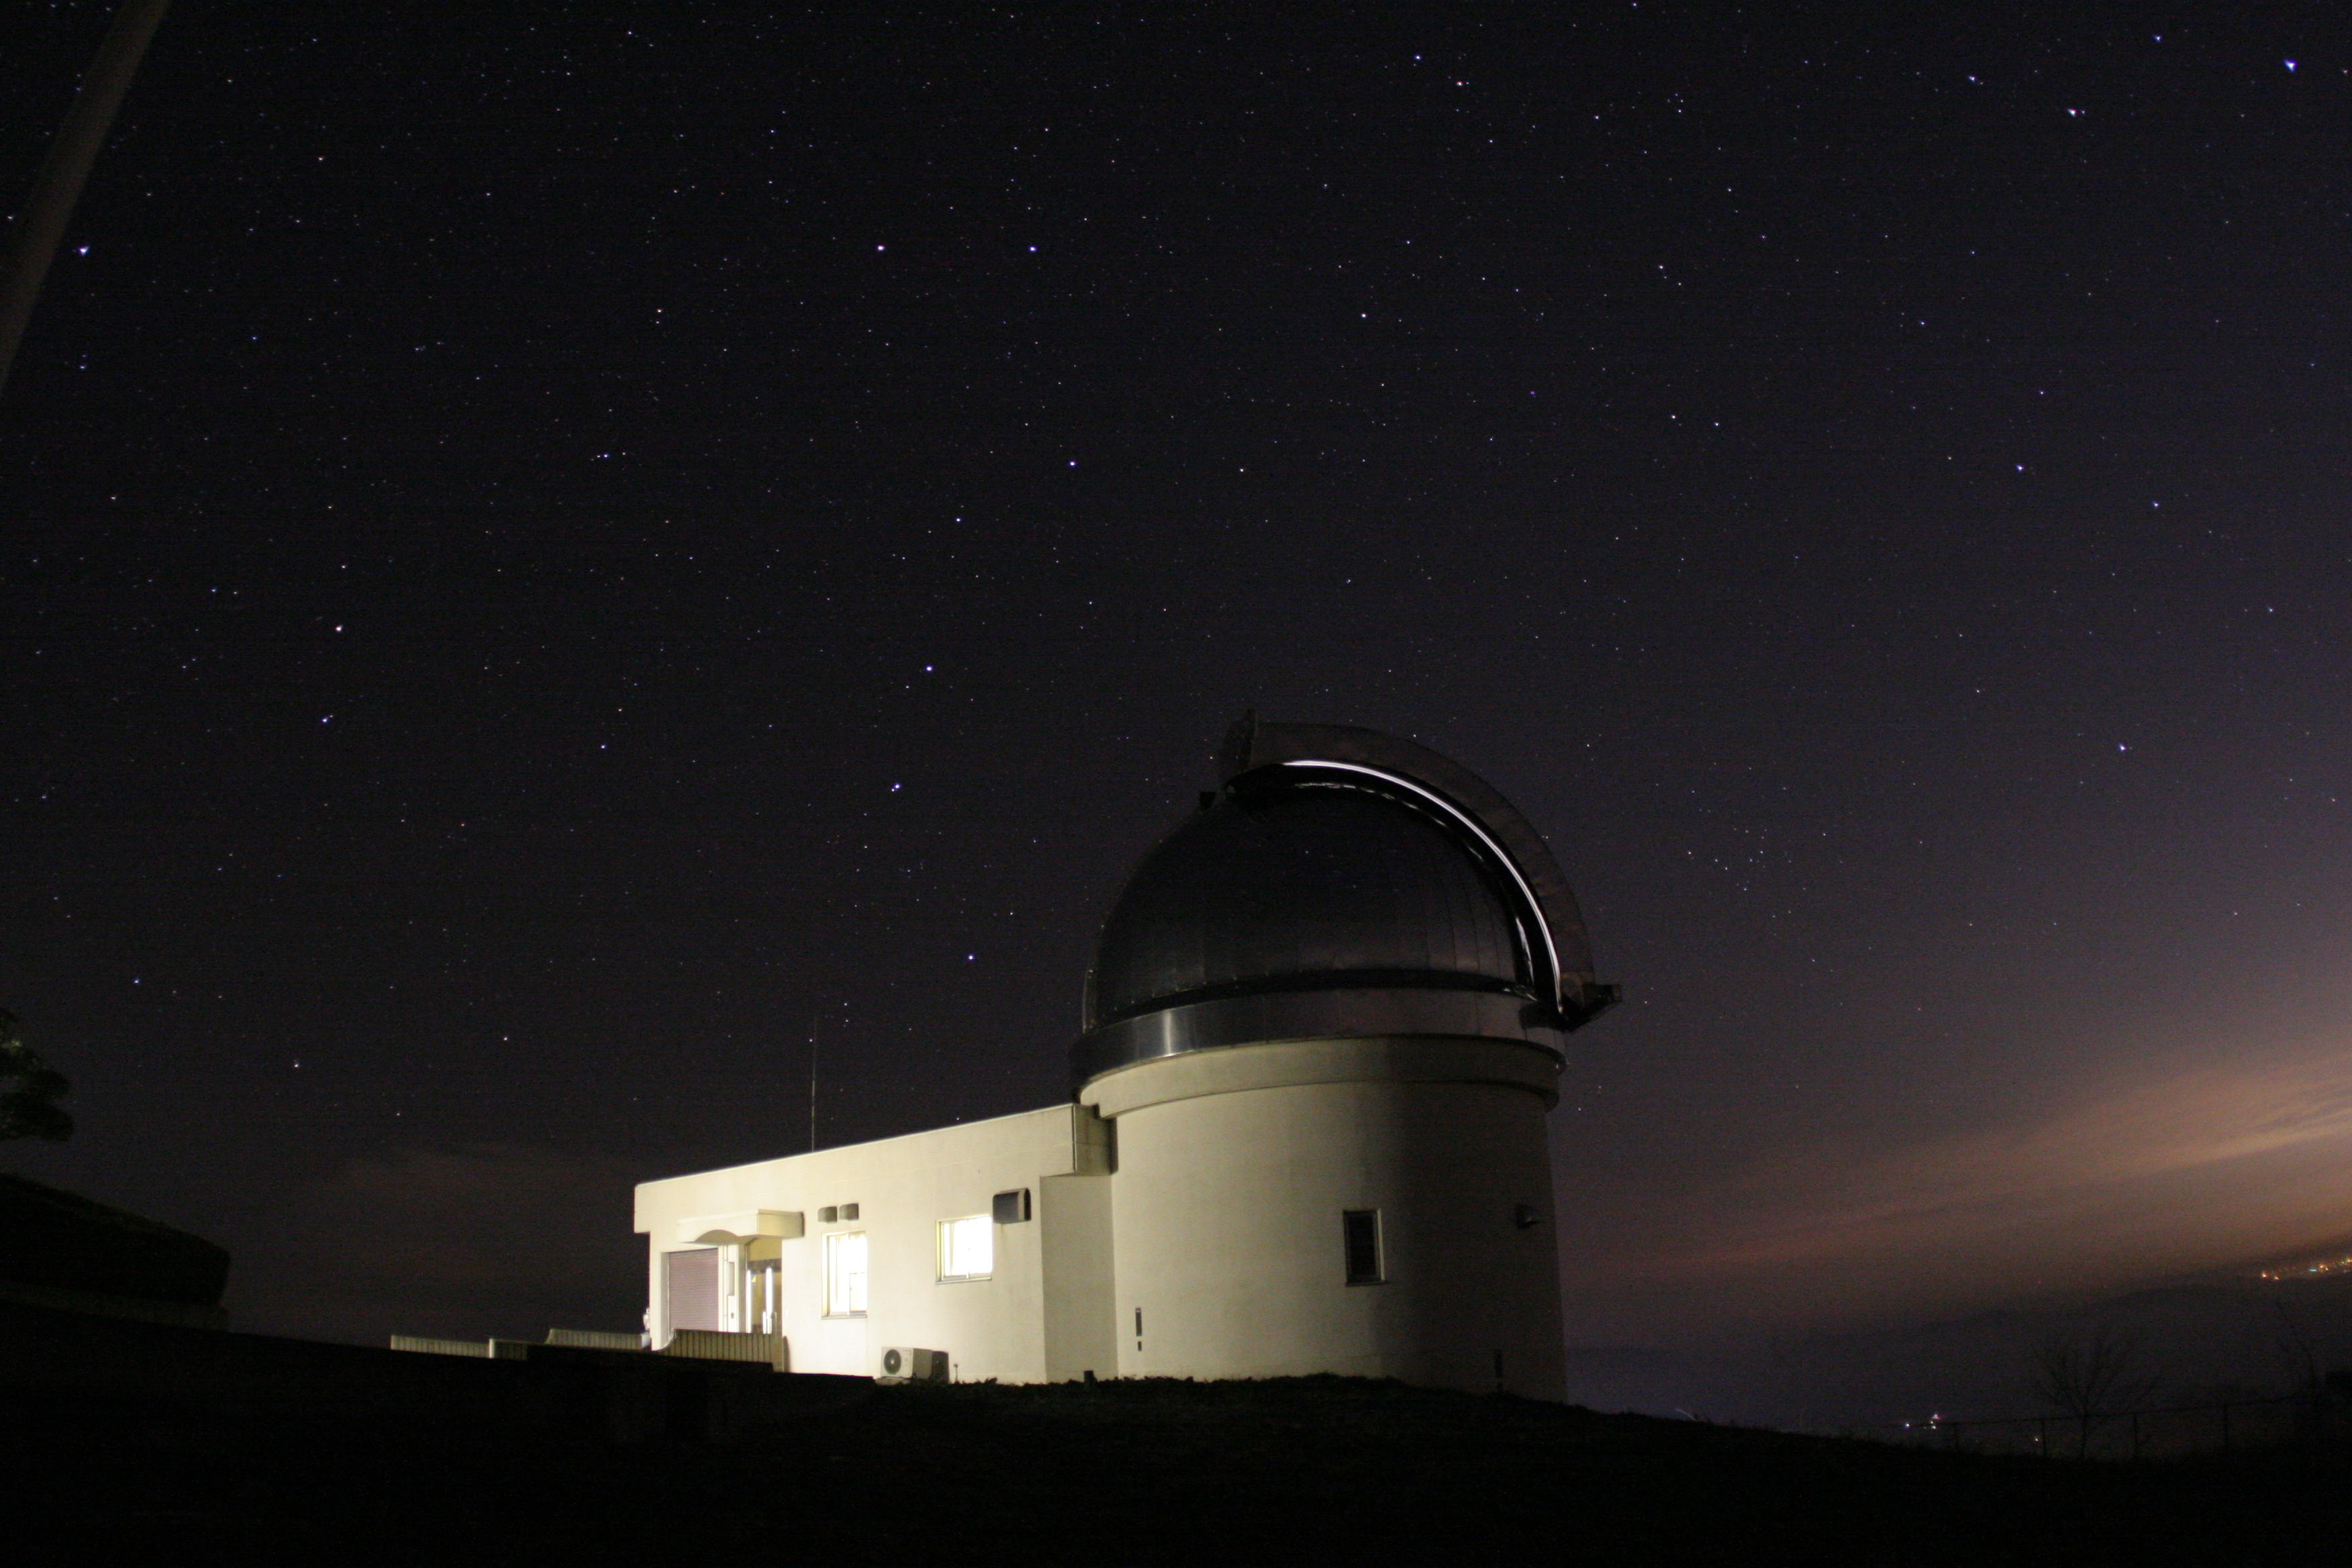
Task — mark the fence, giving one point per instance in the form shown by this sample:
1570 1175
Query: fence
714 1344
2168 1432
594 1340
486 1349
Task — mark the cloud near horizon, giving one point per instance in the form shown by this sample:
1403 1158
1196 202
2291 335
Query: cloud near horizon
2123 1183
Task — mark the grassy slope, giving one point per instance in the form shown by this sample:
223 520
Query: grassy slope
1310 1469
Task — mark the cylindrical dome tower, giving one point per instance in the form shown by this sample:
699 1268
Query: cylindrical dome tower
1327 1018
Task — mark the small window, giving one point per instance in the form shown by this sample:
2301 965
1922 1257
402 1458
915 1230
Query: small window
966 1247
1360 1231
845 1274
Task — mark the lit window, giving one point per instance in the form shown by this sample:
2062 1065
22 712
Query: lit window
966 1247
845 1274
1359 1232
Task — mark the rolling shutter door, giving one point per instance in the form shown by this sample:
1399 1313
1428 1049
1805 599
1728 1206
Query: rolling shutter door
693 1285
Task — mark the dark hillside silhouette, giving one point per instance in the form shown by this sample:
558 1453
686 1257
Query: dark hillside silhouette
308 1467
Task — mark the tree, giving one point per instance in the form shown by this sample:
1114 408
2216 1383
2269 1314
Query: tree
2089 1378
30 1090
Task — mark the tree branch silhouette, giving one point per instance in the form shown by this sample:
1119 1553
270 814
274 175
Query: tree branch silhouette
29 1090
2089 1378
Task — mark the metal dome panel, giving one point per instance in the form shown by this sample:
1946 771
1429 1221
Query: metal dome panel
1295 883
1338 897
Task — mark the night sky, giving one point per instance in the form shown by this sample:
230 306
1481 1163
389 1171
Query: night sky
555 554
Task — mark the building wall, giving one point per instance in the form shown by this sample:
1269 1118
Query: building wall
1000 1327
1222 1225
1235 1167
1080 1302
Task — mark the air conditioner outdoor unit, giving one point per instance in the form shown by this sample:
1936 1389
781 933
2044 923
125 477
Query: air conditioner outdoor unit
902 1364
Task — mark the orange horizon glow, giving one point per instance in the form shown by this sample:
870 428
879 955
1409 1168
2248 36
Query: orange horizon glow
2213 1168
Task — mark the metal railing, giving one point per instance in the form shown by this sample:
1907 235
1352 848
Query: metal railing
715 1345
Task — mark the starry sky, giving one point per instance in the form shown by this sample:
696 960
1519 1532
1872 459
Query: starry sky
560 558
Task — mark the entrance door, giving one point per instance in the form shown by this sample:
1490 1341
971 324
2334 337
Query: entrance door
763 1302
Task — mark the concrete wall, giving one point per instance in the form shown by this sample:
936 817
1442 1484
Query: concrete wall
1236 1165
1000 1327
1221 1225
1075 1231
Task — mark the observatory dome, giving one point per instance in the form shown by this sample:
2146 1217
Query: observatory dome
1337 892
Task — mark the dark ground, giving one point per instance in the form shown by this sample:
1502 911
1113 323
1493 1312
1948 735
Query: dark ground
1314 1470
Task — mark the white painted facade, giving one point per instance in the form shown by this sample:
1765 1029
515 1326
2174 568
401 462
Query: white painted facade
1202 1199
1040 1314
1236 1168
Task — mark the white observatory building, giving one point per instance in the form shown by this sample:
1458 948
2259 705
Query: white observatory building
1324 1026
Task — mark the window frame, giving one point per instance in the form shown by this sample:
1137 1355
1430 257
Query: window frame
941 1247
834 1244
1370 1219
